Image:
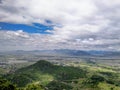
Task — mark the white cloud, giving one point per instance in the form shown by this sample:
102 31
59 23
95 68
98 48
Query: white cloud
79 24
58 11
19 40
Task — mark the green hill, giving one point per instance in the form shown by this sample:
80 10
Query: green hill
44 72
44 75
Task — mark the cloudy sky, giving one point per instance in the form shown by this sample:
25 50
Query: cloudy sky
59 24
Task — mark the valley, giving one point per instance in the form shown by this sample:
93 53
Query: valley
35 71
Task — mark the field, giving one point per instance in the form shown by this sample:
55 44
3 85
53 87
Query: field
59 72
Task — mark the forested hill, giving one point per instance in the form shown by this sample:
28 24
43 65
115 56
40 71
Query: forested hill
44 72
44 75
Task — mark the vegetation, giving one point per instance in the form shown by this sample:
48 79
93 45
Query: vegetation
6 85
44 75
45 72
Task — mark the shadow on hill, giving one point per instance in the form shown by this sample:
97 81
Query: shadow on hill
45 71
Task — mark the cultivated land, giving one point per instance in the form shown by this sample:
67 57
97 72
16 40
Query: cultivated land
31 71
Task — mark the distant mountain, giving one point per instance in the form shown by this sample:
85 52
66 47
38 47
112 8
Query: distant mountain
67 52
71 52
85 53
104 53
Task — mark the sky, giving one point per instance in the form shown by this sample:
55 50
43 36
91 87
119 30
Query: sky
59 24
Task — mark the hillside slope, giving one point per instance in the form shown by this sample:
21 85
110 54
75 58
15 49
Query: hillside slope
45 72
44 75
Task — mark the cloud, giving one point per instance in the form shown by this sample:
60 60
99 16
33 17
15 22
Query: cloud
19 40
78 24
60 11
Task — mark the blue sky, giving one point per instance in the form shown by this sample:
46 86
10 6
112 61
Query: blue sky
59 24
34 28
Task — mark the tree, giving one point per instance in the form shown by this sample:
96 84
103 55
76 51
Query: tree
6 85
34 87
94 80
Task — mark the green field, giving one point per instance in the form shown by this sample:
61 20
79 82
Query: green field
67 75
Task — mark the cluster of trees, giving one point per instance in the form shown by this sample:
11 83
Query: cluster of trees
64 78
42 70
6 85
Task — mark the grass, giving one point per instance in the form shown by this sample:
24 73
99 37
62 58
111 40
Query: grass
73 75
